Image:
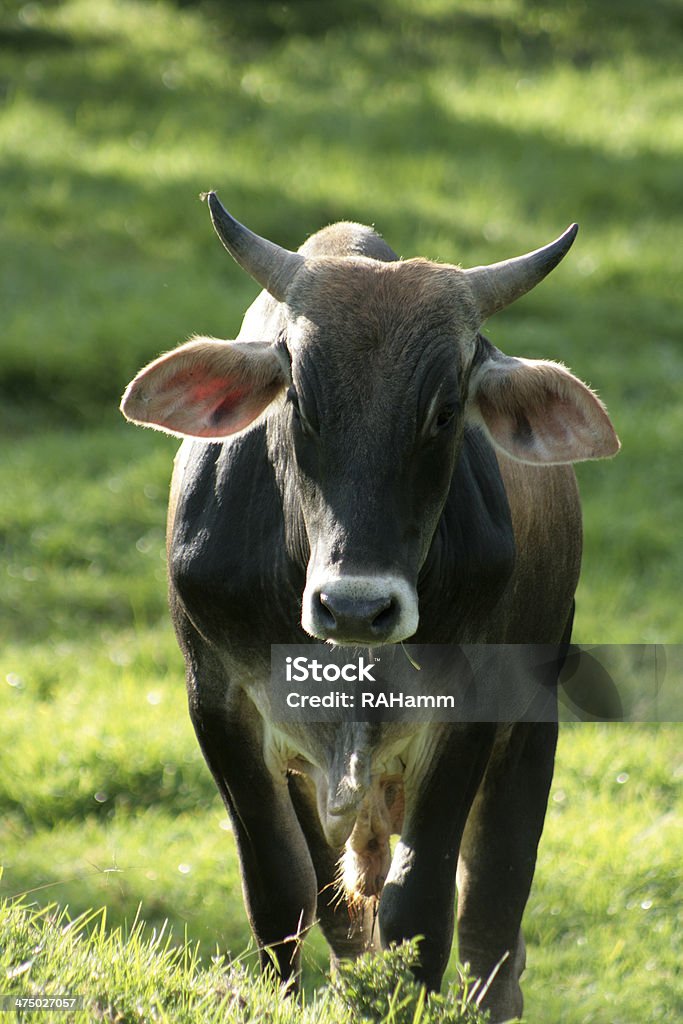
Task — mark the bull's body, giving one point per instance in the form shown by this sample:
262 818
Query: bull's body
500 565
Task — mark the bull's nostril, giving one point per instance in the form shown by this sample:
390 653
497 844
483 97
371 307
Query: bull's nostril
327 617
386 617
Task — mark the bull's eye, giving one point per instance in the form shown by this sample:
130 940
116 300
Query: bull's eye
298 416
293 399
443 418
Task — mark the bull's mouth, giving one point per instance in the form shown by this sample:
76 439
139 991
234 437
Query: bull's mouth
359 610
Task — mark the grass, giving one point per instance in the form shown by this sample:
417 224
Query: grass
465 131
136 975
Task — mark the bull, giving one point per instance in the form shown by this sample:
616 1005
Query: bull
361 466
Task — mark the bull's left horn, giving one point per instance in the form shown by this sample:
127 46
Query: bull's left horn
496 286
270 265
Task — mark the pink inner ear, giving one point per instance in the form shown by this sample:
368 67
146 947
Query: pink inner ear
223 407
220 388
206 388
205 405
536 424
218 399
550 431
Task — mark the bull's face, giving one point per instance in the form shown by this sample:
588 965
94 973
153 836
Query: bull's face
374 417
367 394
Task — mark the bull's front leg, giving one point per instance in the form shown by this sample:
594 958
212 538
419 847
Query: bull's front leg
278 878
497 861
419 895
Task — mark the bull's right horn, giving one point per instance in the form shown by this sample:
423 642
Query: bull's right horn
270 265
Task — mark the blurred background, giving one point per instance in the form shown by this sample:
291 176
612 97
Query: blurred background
465 131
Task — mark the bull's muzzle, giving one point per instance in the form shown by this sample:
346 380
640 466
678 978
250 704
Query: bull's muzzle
365 610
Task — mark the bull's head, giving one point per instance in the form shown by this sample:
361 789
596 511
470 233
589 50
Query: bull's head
367 392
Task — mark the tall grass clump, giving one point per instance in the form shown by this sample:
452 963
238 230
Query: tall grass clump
135 975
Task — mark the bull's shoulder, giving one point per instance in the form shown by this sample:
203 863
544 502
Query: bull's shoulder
544 503
505 560
229 566
546 517
472 556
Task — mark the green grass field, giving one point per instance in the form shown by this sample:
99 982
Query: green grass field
465 131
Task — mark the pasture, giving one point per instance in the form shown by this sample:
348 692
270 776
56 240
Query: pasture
465 132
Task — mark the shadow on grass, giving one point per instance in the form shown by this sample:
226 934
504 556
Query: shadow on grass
537 32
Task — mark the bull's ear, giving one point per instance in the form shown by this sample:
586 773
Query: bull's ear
538 412
206 388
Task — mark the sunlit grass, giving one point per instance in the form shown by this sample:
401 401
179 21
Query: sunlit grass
137 973
609 880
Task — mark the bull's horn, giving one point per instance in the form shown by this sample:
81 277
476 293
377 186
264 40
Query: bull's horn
270 265
499 284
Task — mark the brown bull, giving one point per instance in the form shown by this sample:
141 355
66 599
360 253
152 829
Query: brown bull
364 468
